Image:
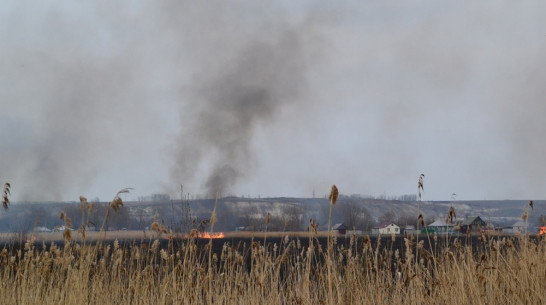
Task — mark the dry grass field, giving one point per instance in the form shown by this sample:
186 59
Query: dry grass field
135 267
503 271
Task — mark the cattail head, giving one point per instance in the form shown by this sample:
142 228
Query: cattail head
367 243
334 193
420 217
67 234
451 215
525 215
83 202
531 204
313 225
267 218
155 224
420 186
5 194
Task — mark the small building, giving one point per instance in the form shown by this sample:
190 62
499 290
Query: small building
518 227
410 229
340 228
42 229
440 226
472 224
386 228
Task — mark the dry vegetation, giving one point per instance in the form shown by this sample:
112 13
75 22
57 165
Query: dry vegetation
497 270
504 271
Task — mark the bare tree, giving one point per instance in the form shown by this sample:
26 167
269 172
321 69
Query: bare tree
294 218
388 216
353 215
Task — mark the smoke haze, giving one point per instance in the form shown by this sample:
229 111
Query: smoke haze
272 99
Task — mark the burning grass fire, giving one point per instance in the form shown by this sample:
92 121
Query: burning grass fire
203 235
213 235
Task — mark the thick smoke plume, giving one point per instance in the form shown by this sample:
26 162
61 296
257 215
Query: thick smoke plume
231 101
271 98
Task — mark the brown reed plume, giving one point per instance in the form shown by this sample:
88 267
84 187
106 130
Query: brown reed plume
115 205
420 189
334 193
157 227
451 212
5 194
420 186
67 232
450 215
86 208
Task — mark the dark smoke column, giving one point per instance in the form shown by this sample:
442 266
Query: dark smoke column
247 90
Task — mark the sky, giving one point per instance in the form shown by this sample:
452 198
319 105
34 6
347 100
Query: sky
276 98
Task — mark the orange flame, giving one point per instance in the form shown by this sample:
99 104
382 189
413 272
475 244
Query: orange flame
213 235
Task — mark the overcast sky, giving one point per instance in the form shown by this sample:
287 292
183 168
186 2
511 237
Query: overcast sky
276 99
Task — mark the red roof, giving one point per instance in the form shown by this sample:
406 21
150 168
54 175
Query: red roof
384 225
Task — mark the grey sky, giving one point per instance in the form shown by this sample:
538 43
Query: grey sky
273 99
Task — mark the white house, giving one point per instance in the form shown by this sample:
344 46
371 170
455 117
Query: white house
42 229
519 226
441 227
386 228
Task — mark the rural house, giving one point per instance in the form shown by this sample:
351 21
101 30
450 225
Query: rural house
441 227
340 228
386 228
472 224
518 227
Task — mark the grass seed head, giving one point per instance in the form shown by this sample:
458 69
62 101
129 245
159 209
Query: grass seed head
420 217
420 186
334 193
67 234
451 215
116 204
5 195
83 202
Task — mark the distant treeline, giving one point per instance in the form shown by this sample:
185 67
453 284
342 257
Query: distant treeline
238 213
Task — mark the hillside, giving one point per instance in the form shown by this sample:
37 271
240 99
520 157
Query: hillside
286 214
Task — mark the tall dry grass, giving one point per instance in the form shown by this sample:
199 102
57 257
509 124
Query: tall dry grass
496 270
503 271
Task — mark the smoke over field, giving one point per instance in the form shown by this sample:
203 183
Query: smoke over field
276 99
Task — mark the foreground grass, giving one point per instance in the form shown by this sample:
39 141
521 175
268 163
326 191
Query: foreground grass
501 271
